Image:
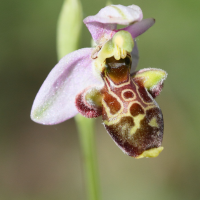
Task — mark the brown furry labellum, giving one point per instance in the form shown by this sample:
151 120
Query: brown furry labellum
130 114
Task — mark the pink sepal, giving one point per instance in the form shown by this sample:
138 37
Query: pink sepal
55 101
102 24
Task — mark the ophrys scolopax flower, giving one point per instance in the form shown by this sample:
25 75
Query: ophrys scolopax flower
103 81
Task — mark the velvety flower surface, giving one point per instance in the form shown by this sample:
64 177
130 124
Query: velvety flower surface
102 81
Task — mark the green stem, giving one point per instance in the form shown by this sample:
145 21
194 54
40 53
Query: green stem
68 35
86 134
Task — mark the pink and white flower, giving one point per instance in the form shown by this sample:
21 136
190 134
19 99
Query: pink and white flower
103 81
55 101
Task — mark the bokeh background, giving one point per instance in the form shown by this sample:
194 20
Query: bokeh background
44 162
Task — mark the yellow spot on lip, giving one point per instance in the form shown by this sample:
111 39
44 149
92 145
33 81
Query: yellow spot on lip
153 122
137 120
151 153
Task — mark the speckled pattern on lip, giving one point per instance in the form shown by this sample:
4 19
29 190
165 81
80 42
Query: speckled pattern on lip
85 81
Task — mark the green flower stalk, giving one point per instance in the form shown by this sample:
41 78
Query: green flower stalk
68 37
86 133
69 27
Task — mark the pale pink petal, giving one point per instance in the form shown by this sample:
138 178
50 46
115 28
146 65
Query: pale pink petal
138 28
55 101
105 21
101 32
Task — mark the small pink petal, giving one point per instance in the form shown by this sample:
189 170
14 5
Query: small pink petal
106 20
55 101
101 32
138 28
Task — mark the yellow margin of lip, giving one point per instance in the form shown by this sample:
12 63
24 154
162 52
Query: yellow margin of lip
151 153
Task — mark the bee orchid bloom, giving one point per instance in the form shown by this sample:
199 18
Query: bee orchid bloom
103 81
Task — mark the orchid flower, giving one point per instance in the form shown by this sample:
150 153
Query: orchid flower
103 81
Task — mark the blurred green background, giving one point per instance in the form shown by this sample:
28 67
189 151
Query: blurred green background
44 162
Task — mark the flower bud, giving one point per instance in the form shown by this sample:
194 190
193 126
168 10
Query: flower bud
69 27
